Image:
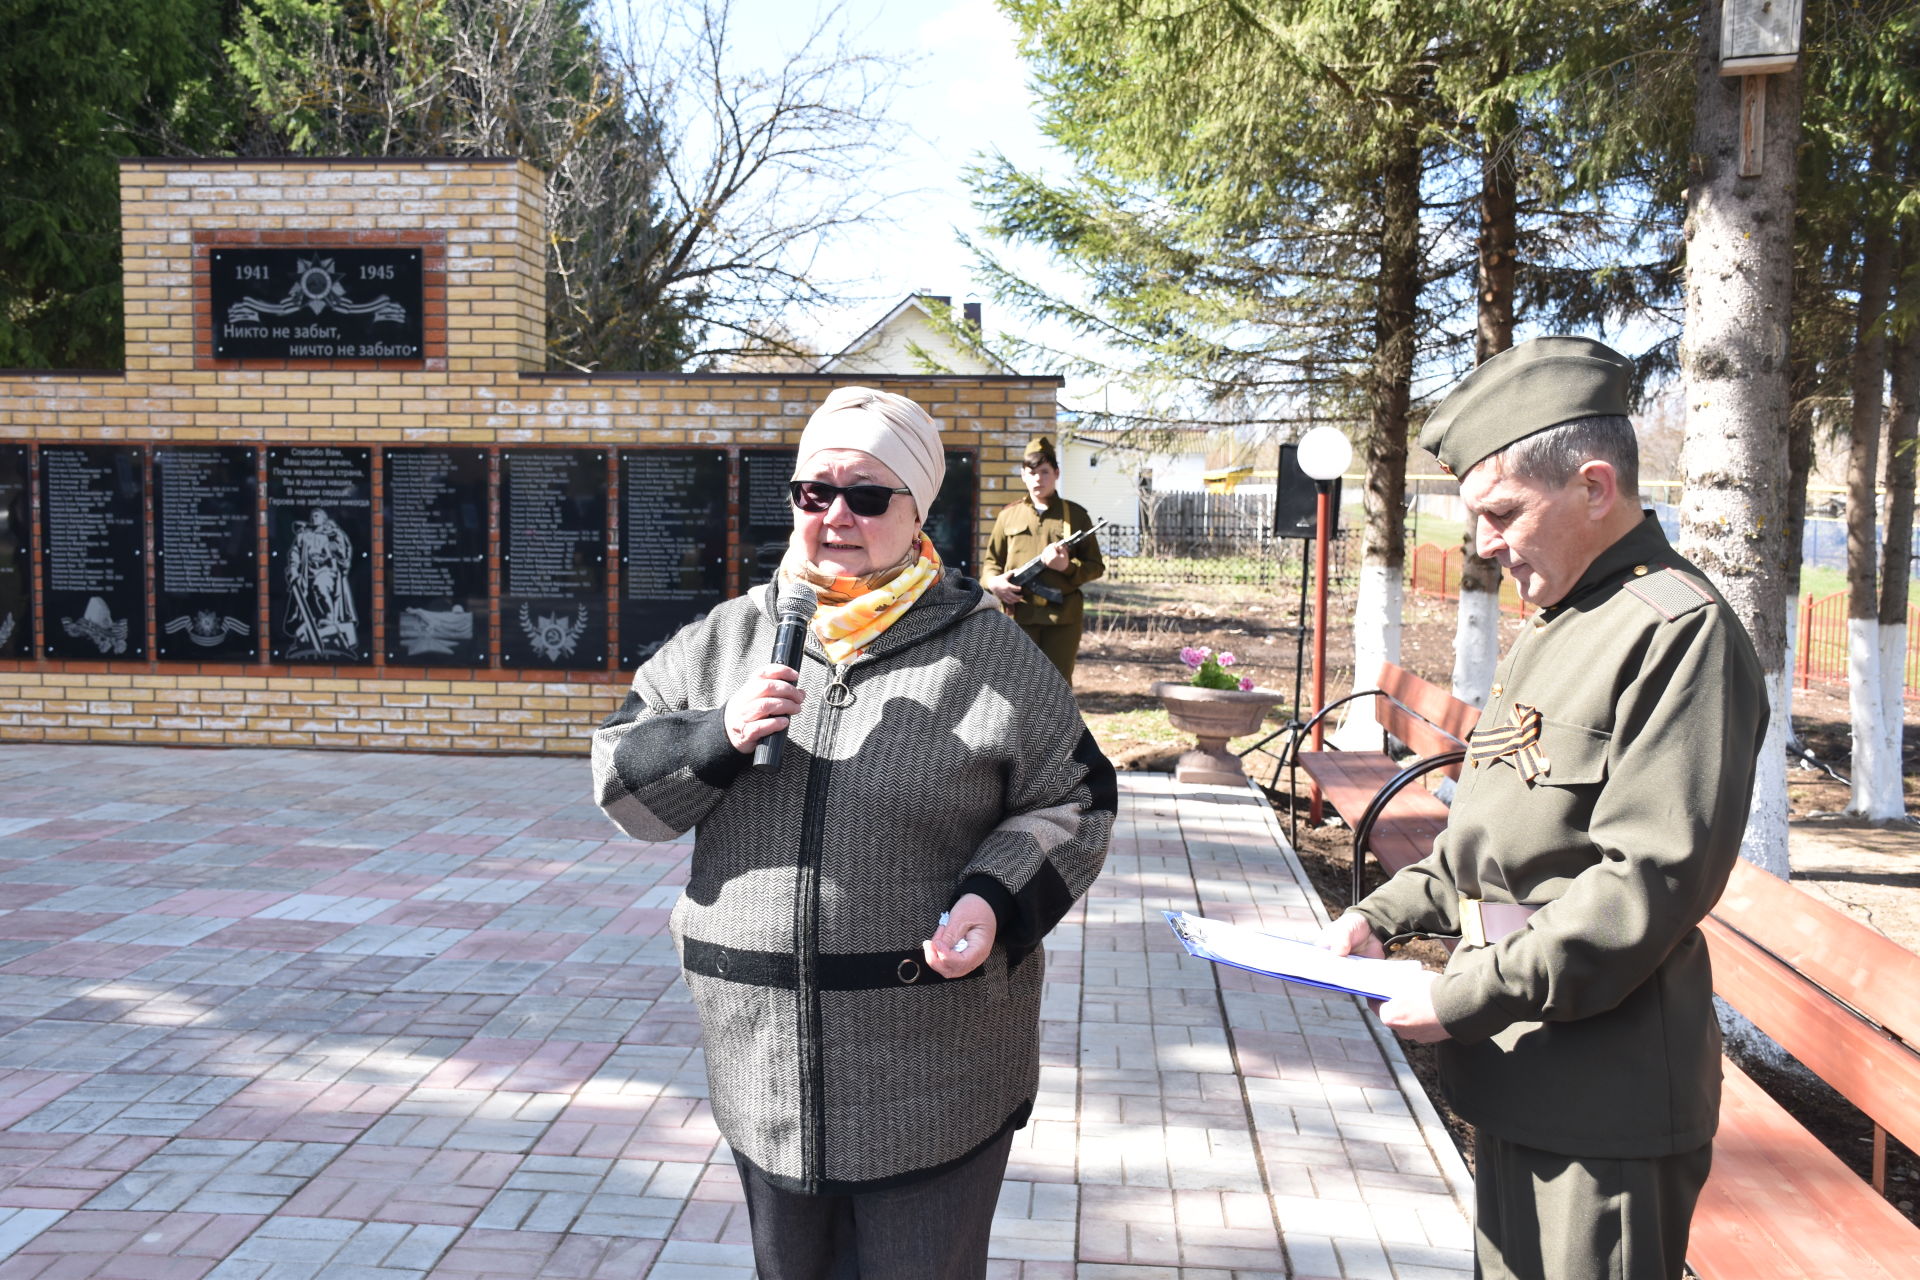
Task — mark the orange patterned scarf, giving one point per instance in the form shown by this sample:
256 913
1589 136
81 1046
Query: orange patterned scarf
854 611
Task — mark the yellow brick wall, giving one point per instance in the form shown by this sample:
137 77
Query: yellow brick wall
485 388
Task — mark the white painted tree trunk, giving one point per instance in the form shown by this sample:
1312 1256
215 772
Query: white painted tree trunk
1476 645
1378 616
1869 797
1893 709
1733 354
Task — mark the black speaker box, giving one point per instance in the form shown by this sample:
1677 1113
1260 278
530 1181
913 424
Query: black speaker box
1293 504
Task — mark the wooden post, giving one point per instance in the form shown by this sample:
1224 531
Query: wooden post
1753 125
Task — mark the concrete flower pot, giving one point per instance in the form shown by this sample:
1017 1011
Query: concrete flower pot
1213 716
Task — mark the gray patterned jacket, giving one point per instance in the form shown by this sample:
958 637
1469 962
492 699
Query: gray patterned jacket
955 763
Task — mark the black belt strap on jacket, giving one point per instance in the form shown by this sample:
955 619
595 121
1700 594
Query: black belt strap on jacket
862 971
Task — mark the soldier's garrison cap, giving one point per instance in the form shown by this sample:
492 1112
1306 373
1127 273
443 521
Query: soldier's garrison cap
1525 389
1040 449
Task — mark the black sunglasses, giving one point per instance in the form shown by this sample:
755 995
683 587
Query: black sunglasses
815 496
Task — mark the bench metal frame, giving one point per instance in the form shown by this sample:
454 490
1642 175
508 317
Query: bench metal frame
1289 759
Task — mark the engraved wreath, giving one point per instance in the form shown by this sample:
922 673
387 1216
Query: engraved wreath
316 287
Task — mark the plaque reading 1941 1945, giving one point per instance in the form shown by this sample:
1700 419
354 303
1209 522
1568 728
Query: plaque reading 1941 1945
91 497
437 525
206 553
553 558
317 304
16 555
673 543
320 566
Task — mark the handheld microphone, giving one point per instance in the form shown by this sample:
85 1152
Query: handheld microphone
794 609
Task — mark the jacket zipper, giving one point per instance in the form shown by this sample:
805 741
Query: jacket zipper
838 694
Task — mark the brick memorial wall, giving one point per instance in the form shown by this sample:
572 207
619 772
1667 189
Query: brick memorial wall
334 500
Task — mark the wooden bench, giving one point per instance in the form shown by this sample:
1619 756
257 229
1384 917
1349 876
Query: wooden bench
1393 819
1845 1001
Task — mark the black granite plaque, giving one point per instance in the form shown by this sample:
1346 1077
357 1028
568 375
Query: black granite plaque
951 526
553 559
91 500
673 543
766 515
317 304
16 554
437 525
320 560
206 553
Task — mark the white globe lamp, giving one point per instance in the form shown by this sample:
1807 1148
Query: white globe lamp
1324 453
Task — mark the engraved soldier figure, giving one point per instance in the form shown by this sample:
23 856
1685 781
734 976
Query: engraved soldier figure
323 617
1606 795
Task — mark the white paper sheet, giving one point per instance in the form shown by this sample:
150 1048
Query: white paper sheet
1292 961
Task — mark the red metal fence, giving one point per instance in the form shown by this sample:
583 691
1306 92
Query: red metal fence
1823 643
1435 571
1822 656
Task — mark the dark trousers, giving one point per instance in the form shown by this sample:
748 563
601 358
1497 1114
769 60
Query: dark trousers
1543 1216
1060 642
933 1229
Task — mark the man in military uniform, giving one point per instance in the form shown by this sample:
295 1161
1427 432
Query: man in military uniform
1036 526
1607 791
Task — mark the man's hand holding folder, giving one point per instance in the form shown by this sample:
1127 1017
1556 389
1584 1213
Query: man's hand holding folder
1301 962
1409 1014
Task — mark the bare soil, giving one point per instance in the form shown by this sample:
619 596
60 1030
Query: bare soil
1870 872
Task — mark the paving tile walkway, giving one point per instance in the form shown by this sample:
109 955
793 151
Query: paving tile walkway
330 1016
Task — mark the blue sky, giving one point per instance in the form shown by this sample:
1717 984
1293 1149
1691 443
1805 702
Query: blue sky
964 94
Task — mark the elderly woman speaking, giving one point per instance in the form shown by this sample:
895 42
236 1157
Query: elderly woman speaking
861 929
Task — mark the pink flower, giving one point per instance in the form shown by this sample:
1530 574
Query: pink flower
1226 659
1193 657
1246 684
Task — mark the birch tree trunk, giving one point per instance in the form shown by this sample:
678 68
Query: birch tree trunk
1896 565
1733 356
1379 610
1476 633
1868 796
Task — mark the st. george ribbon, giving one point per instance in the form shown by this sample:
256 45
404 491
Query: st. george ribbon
795 610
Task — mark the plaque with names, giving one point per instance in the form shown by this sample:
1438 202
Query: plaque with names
766 514
317 304
951 526
673 544
91 500
16 554
437 524
320 554
553 559
206 553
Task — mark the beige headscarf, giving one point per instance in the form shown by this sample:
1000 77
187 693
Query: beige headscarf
892 428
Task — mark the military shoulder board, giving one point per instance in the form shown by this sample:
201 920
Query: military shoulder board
1668 592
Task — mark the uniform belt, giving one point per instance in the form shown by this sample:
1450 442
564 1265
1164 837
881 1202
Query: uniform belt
1484 923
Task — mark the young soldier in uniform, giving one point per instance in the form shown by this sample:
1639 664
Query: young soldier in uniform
1606 794
1035 526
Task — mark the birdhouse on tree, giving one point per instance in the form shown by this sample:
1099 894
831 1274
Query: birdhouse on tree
1759 37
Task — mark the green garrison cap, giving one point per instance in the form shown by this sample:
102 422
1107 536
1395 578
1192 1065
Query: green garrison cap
1525 389
1040 449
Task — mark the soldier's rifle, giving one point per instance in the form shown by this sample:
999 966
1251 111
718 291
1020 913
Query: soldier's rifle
1027 576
